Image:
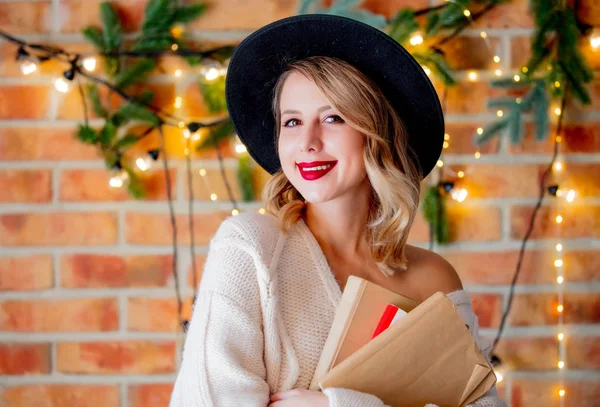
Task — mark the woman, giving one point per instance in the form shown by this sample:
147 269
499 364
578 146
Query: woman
348 124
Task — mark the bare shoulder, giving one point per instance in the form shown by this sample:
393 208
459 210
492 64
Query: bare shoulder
428 273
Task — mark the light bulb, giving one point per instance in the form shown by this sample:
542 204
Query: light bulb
240 148
178 73
440 163
446 136
570 196
517 78
446 144
28 67
560 308
89 64
461 174
479 130
477 155
210 69
213 197
559 247
177 102
557 111
459 194
561 364
560 336
498 72
496 58
416 39
235 212
558 263
483 34
595 39
202 172
62 85
186 133
467 13
262 211
427 70
558 166
560 279
561 392
472 76
559 219
499 113
557 84
174 47
118 179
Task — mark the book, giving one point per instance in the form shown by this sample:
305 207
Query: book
390 315
428 356
356 318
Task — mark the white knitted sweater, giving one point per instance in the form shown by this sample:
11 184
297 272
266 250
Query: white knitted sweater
265 304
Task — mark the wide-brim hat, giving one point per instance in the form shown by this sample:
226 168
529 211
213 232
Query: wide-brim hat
260 59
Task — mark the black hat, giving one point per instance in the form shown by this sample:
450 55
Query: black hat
262 57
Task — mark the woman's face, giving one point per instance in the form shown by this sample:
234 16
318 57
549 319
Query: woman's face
320 154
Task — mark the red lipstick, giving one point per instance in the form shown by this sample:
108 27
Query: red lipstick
314 170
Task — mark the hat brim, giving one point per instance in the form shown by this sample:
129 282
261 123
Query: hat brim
260 59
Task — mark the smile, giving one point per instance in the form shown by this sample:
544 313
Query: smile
315 170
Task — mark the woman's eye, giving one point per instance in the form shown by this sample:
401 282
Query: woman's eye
338 118
287 122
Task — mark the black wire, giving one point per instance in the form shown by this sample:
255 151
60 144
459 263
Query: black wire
538 205
173 224
188 161
222 167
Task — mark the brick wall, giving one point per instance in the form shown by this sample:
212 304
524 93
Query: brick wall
88 311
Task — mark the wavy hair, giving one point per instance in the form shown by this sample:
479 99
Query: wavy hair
391 169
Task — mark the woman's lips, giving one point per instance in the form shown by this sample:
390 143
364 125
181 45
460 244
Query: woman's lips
313 174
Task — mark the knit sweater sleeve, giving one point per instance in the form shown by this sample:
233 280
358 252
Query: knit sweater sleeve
351 398
222 361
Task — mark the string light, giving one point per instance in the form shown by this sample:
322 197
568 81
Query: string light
561 392
557 111
560 336
178 102
235 212
516 78
496 59
595 39
210 69
499 113
118 179
62 85
459 194
426 69
558 166
472 76
461 174
477 155
559 219
483 35
416 39
28 67
560 308
440 163
467 13
561 364
262 211
558 263
89 64
498 72
213 197
174 47
145 163
560 279
559 247
178 73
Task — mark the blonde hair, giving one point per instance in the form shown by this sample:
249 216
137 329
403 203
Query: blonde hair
393 175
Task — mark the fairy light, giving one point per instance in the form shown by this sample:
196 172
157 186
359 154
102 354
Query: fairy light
446 136
559 247
516 78
178 102
416 39
560 336
595 39
558 263
427 70
559 219
235 212
461 174
477 155
467 13
178 73
557 111
557 84
89 64
499 113
498 72
570 196
496 59
28 67
213 197
472 76
174 47
483 35
459 194
118 179
561 392
560 308
560 279
440 163
558 166
561 364
62 85
480 131
262 211
446 144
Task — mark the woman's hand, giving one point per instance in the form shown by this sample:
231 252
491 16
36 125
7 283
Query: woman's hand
299 398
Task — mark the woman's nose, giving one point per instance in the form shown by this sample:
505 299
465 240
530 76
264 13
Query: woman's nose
310 140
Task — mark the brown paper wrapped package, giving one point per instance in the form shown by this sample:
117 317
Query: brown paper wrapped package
428 356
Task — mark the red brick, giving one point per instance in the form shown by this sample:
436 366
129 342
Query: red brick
15 101
200 261
22 229
468 97
26 272
143 395
18 17
528 353
59 395
575 107
20 358
527 393
474 223
493 268
488 308
582 137
212 183
70 106
72 315
583 352
130 357
578 221
461 140
523 180
25 185
388 8
92 185
471 53
156 314
520 51
234 15
509 15
155 228
96 271
588 12
50 144
193 104
75 15
540 309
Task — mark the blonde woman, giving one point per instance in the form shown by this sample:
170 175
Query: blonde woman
348 124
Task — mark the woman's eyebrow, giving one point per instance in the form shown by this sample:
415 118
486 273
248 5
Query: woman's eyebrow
321 109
